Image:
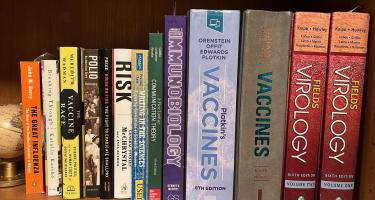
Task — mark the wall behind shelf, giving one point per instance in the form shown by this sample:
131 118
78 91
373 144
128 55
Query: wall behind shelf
32 27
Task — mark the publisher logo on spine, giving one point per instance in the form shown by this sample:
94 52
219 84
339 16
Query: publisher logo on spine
215 20
139 64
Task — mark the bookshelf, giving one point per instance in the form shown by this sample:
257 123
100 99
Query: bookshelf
31 27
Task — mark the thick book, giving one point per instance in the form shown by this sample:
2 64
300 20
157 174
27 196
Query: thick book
345 82
51 115
306 104
155 115
174 107
211 110
263 89
32 126
140 124
71 121
122 122
92 122
106 121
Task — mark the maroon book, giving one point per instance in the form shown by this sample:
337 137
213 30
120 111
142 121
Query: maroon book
347 61
306 104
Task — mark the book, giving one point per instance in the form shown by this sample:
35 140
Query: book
122 122
263 93
92 121
32 126
345 82
51 115
71 121
306 104
155 115
140 124
211 116
174 107
106 121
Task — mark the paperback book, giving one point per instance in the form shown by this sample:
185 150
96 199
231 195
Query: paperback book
32 126
140 124
51 116
92 121
71 121
122 108
155 115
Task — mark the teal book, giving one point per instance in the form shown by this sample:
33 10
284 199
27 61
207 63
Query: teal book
155 115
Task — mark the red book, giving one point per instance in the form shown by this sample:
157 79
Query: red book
306 104
347 61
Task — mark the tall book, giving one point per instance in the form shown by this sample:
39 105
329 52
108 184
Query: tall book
347 62
140 124
51 116
71 121
32 126
92 121
122 122
106 121
174 107
211 117
262 104
306 104
155 115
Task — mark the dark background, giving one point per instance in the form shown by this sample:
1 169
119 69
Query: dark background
29 28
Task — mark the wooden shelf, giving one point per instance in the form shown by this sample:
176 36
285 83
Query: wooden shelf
32 27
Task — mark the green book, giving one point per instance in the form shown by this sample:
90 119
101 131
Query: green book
155 115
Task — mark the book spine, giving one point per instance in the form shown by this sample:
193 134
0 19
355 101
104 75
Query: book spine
140 124
92 123
346 71
174 107
306 104
263 89
122 107
211 115
32 126
71 120
106 121
155 115
51 113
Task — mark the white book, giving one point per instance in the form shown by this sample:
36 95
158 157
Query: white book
51 117
122 107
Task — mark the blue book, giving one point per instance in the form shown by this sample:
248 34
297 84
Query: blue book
140 124
212 91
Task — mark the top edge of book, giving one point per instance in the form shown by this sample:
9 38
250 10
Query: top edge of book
205 10
250 11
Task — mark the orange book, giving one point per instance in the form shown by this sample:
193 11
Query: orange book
32 126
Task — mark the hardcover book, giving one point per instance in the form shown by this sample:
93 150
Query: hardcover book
263 94
306 104
71 121
211 117
106 121
32 126
122 108
51 116
347 62
174 107
92 122
155 115
140 124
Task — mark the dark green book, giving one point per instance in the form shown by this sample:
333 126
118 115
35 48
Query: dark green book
155 107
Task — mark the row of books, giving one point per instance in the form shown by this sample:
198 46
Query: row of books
272 113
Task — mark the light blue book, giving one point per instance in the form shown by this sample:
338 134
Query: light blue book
212 93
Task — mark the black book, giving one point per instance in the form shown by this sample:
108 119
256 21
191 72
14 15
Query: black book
106 120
